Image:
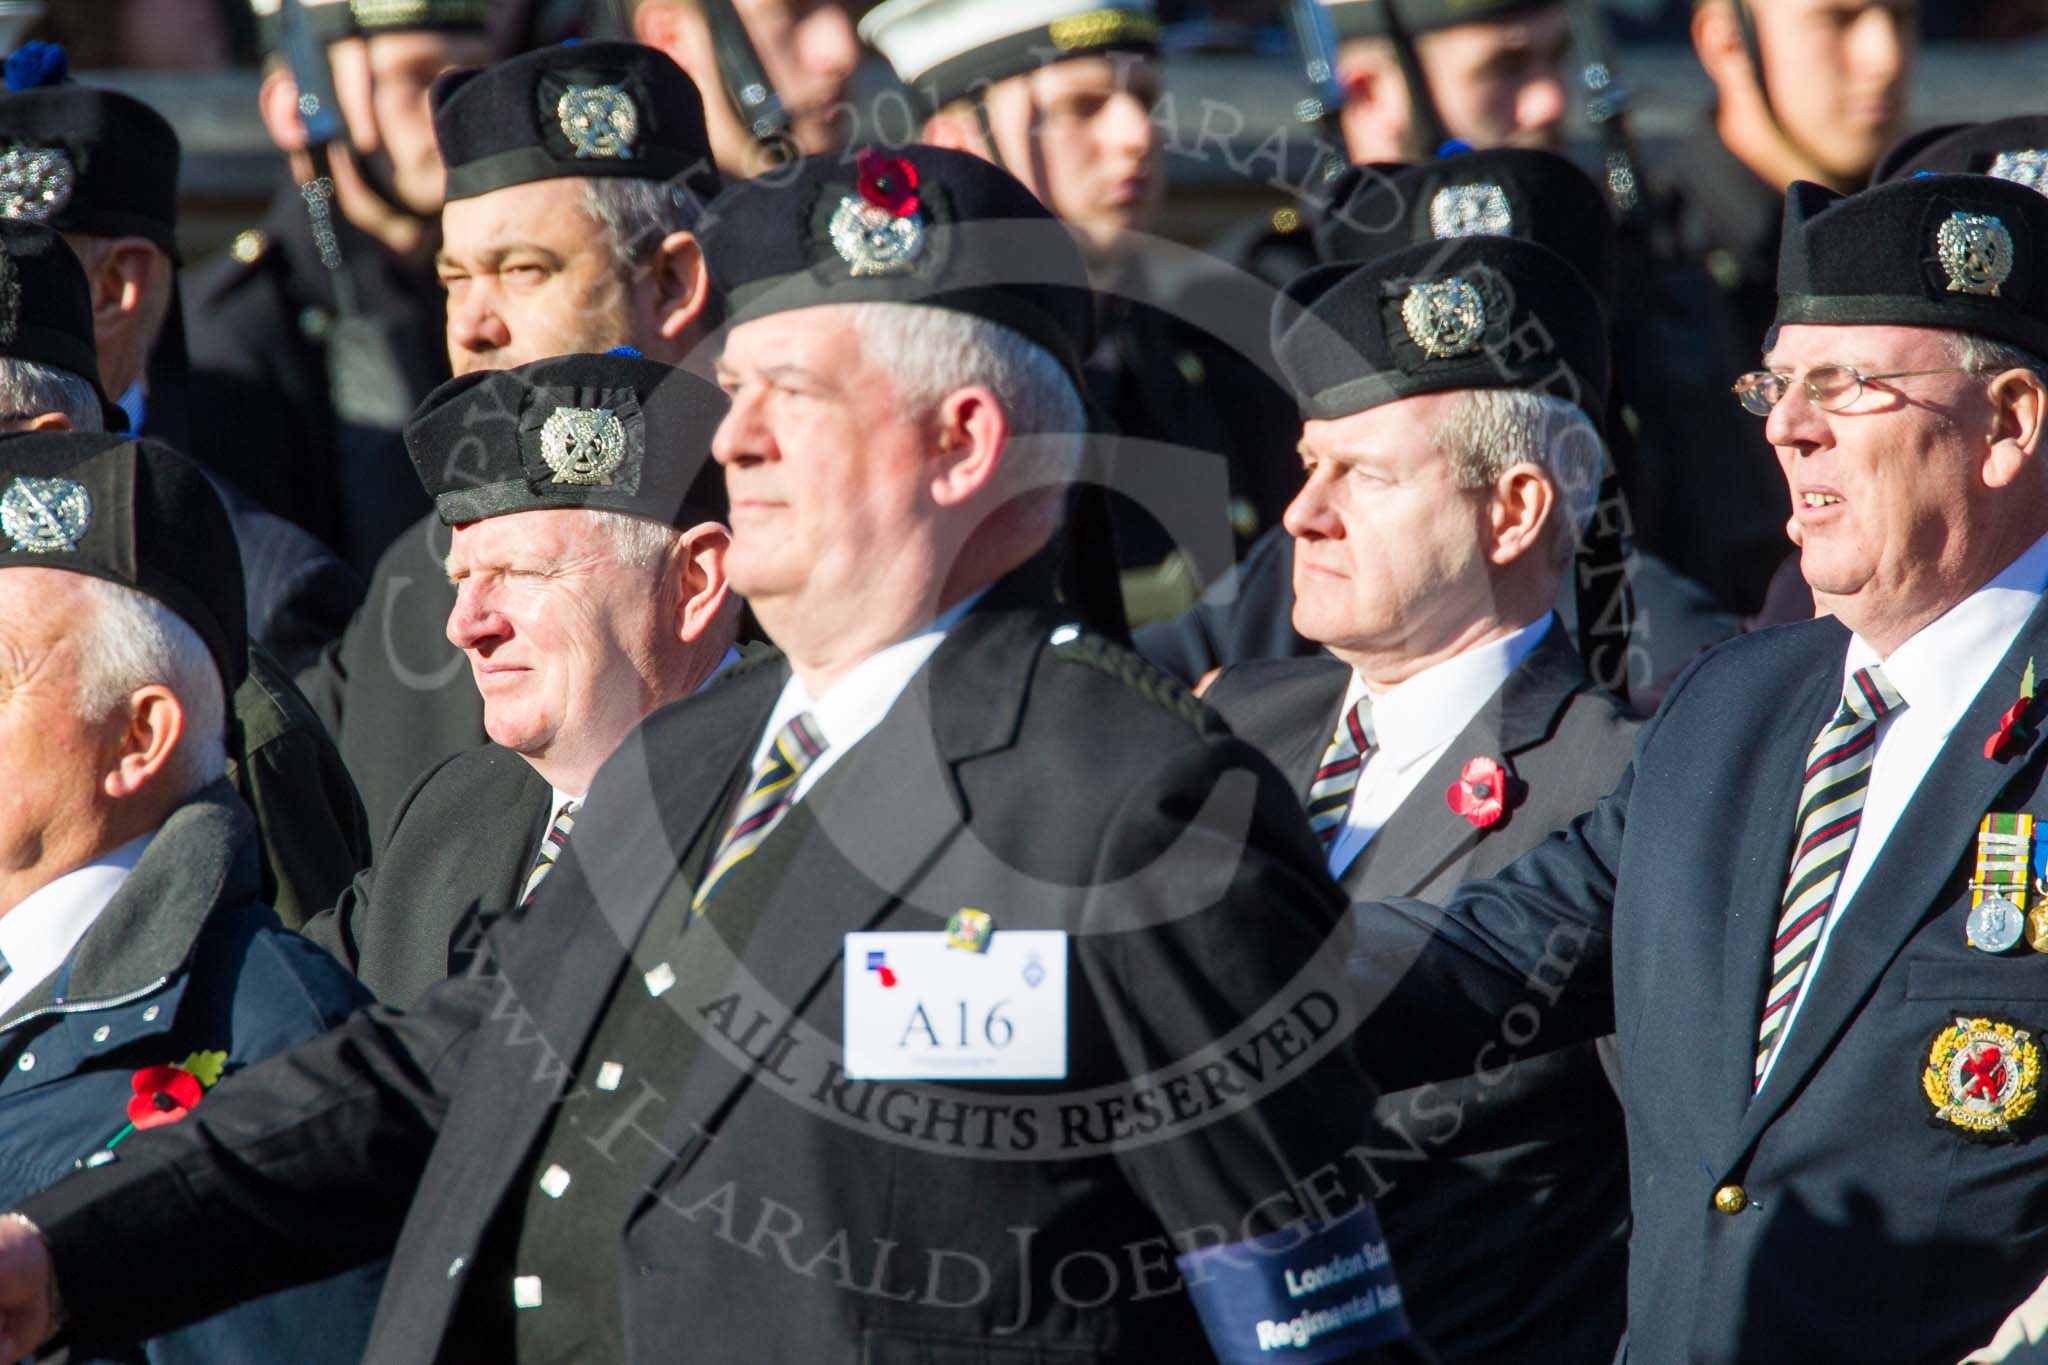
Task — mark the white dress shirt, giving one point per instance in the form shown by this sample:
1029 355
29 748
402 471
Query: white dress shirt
856 703
1413 725
40 932
1939 672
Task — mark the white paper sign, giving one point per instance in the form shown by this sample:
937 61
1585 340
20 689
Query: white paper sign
919 1010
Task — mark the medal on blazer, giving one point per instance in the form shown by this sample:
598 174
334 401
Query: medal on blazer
1982 1076
1998 889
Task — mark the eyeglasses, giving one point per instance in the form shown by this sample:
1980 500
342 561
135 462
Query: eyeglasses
1831 387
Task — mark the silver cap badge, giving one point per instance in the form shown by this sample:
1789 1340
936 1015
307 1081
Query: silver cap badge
873 241
2027 167
1976 252
583 445
45 516
1478 210
598 120
35 182
1445 318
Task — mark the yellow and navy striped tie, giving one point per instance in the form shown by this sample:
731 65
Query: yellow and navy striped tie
797 745
551 846
1830 809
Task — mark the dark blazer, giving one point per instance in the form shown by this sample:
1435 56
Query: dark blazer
1056 785
183 960
1833 1216
396 695
1504 1193
461 845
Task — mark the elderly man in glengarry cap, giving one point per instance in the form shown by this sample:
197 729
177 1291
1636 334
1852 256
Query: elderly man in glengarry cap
137 964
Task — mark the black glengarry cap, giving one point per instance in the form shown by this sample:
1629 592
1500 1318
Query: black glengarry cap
614 432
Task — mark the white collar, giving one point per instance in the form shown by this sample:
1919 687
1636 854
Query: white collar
42 929
1942 668
1426 712
857 701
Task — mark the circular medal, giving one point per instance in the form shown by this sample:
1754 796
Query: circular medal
1995 924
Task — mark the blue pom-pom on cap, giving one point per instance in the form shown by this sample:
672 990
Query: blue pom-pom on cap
626 351
37 64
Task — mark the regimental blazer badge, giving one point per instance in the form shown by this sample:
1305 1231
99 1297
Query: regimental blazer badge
599 120
1975 251
583 445
45 516
1983 1076
35 182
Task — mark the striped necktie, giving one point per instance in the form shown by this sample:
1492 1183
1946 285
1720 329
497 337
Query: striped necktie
551 846
1830 808
772 792
1329 795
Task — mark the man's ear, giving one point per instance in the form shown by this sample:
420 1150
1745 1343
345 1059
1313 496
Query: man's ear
121 276
699 561
682 284
1521 514
974 438
46 421
2019 410
156 722
954 129
1717 42
277 101
1375 113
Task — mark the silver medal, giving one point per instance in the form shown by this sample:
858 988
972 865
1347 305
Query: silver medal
1976 251
873 241
1446 318
1479 210
1995 924
45 516
598 120
583 445
35 182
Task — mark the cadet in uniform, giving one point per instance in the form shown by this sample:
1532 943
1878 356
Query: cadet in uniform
589 557
1493 72
311 392
137 963
569 228
846 839
1453 731
1810 909
1060 93
1802 93
102 168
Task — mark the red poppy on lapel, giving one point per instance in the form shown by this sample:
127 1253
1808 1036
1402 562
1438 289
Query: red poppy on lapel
2012 721
1481 792
163 1094
887 182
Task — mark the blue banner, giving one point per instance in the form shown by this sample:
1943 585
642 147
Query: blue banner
1307 1297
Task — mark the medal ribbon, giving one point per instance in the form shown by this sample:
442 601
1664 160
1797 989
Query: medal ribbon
2005 843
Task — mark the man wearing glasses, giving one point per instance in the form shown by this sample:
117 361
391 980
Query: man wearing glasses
1815 908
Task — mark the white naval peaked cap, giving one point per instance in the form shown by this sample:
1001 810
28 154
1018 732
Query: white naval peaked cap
944 49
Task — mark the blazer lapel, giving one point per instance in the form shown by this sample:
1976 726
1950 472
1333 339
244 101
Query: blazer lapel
882 821
1424 836
1305 711
1905 884
644 811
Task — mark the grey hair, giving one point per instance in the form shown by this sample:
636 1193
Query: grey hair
132 640
639 542
636 216
1970 351
1489 431
29 389
931 352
